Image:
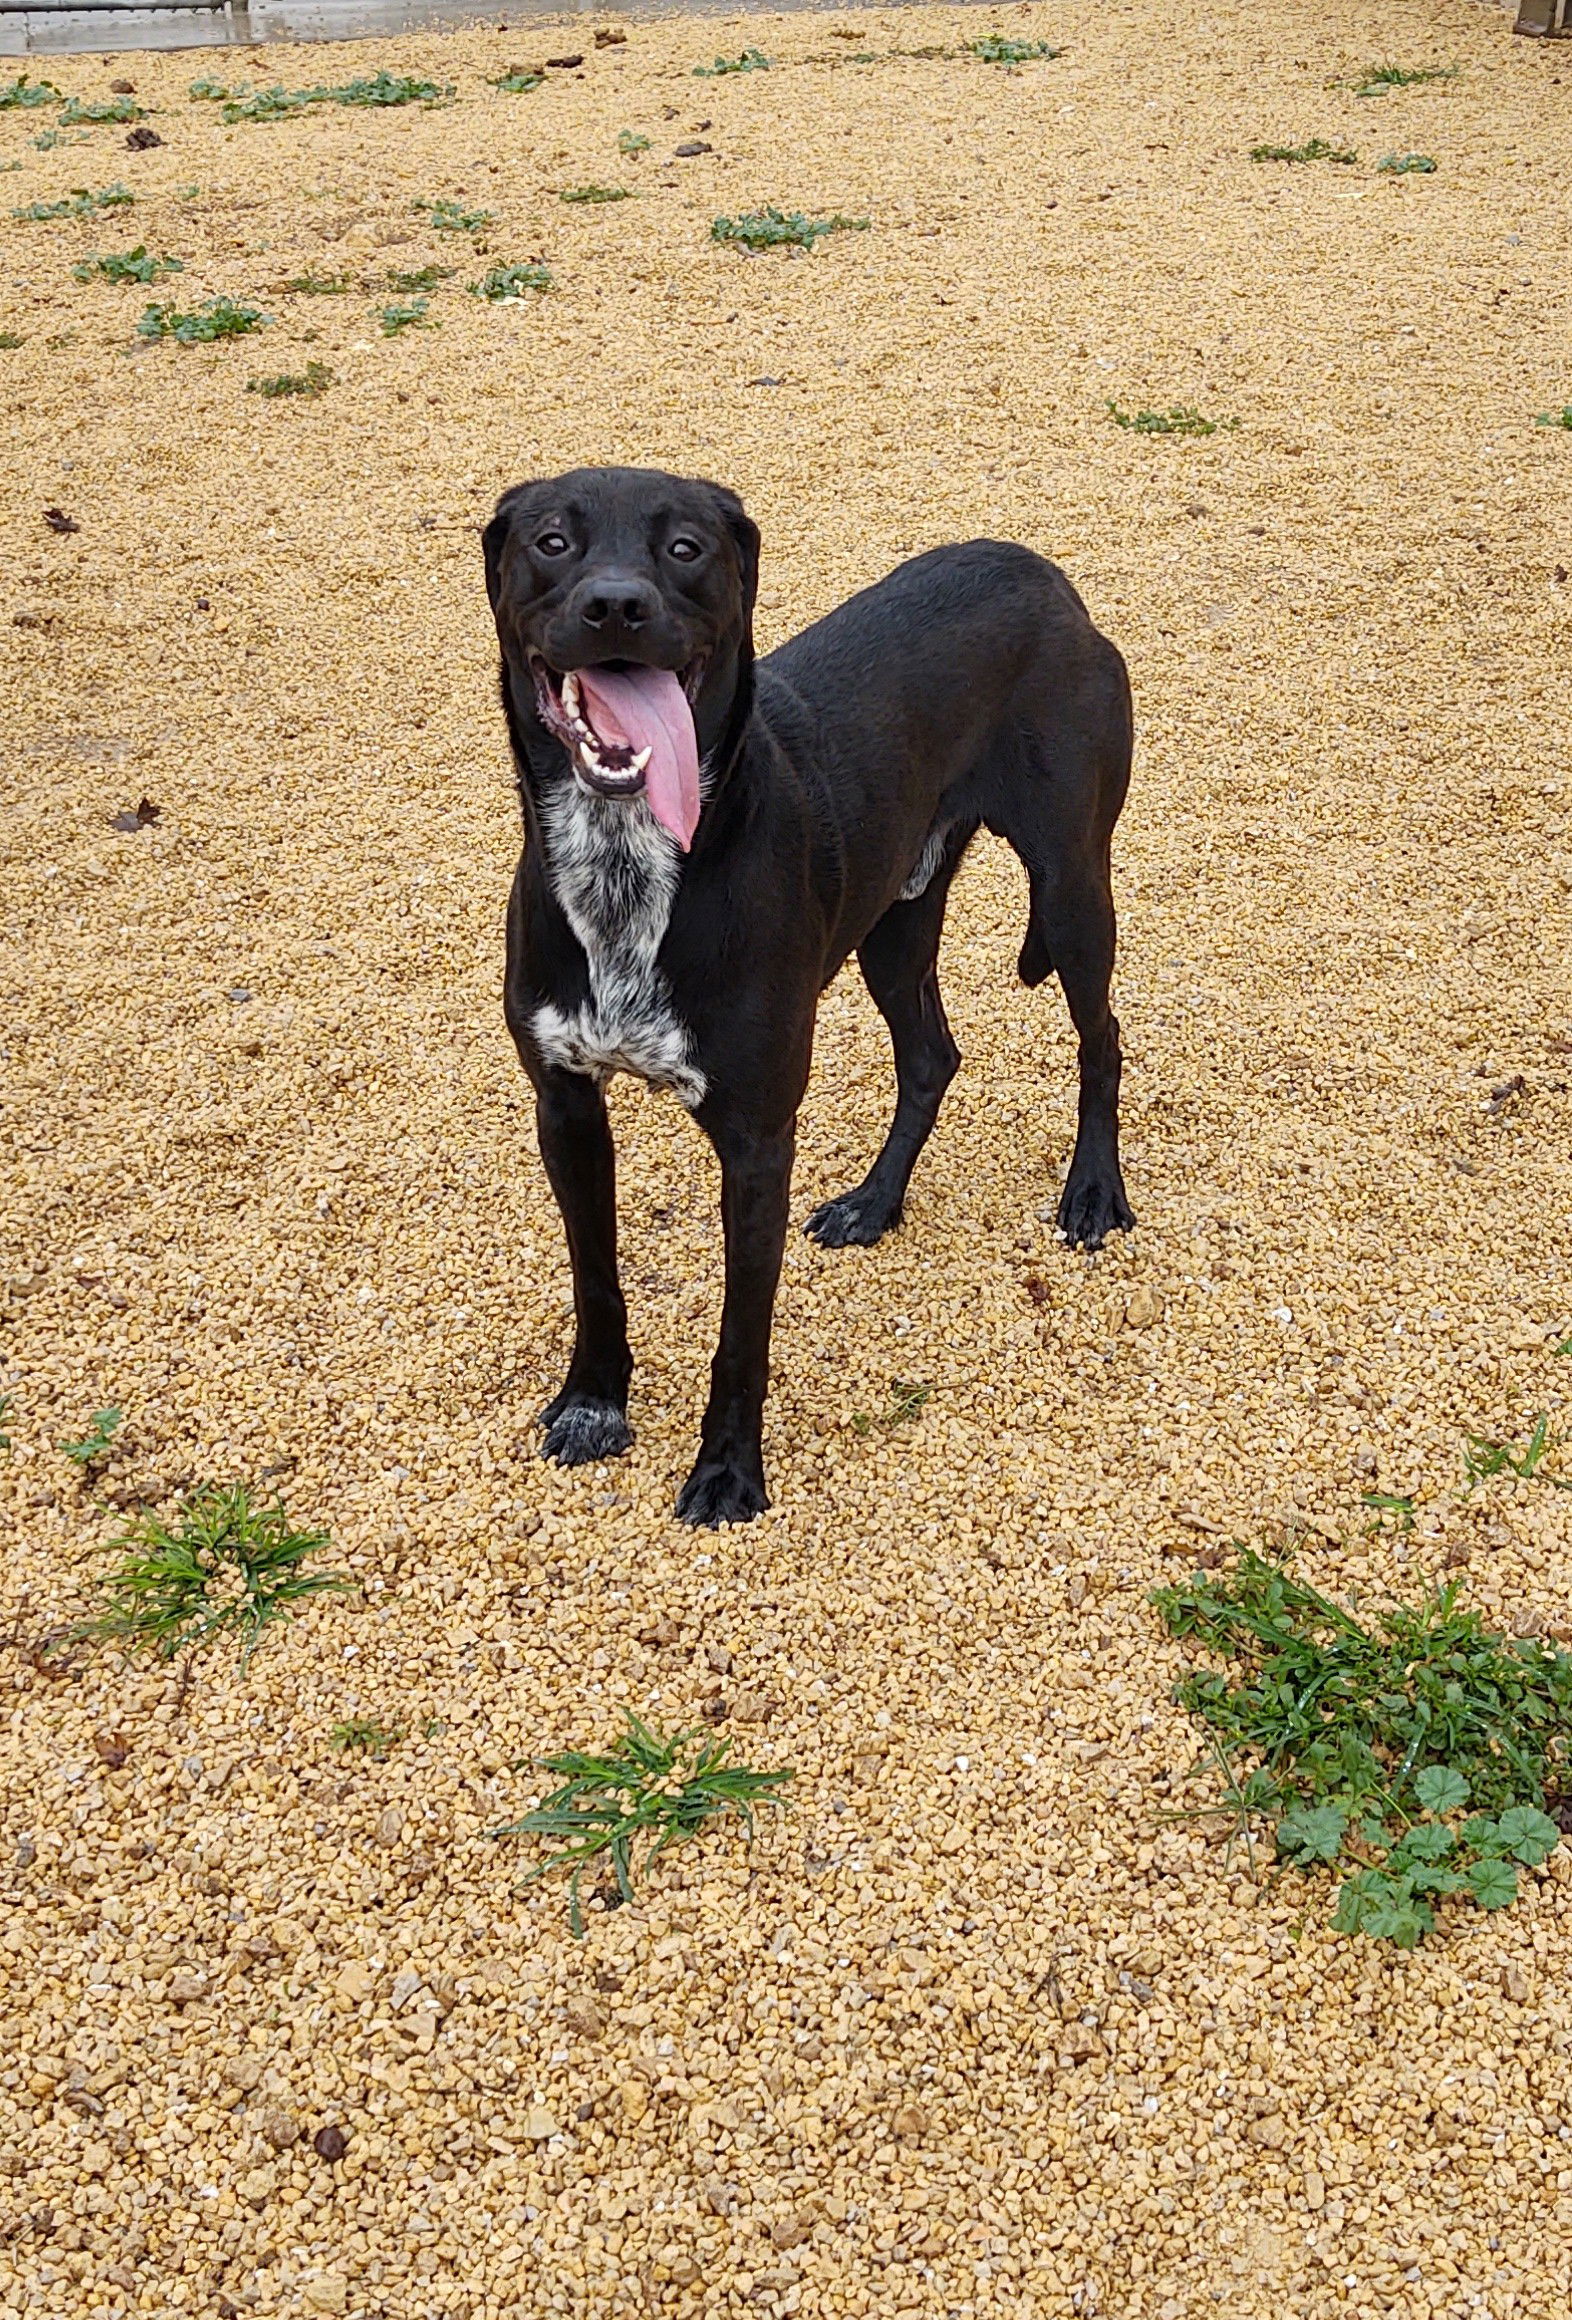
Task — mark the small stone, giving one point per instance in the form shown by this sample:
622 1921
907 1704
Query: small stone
245 2071
405 1986
390 1825
634 2096
789 2232
185 1989
719 1658
330 2143
1315 2189
1515 1984
1142 1307
281 2128
720 2197
585 2017
1270 2133
754 1707
684 2272
355 1981
691 150
661 1634
329 2292
257 2187
911 2120
539 2125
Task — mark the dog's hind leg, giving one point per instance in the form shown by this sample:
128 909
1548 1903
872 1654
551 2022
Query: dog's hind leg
1072 930
899 962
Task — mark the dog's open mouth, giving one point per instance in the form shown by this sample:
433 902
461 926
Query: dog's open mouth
629 732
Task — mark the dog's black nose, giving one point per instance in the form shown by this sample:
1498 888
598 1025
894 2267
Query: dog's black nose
615 600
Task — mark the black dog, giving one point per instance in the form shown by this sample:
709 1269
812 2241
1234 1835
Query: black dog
706 842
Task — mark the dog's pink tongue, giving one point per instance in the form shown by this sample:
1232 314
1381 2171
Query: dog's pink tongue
648 709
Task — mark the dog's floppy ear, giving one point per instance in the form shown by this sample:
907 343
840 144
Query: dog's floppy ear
745 539
495 537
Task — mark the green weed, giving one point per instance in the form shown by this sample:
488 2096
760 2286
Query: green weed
7 1405
1378 78
1484 1458
508 282
629 141
23 95
595 193
1316 149
278 104
127 266
1391 1504
751 60
422 278
48 139
366 1733
1407 165
996 51
224 1567
774 229
1179 419
78 203
907 1401
626 1807
407 314
310 285
96 1442
1364 1740
217 318
84 112
1561 418
516 82
450 217
10 338
315 379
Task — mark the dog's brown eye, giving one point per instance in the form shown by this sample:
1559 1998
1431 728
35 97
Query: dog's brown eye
685 550
552 544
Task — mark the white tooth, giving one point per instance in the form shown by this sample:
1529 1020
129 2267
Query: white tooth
638 763
570 693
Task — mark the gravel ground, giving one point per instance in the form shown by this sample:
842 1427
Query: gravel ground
974 2029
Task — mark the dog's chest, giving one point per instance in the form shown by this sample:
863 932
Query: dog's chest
614 871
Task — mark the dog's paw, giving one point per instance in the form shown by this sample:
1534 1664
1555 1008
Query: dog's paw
577 1432
855 1221
1092 1208
716 1493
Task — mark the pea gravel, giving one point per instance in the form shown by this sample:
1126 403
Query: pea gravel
975 2030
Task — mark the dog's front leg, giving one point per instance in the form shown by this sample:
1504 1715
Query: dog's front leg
727 1482
589 1418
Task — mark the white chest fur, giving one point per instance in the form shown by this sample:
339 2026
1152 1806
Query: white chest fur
614 870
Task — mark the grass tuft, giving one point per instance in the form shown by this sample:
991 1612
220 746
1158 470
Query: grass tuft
630 141
994 50
364 1732
648 1792
11 338
78 203
774 229
22 95
517 82
1484 1457
422 277
751 60
7 1405
1315 149
1365 1741
315 379
87 112
224 1567
451 217
96 1442
1407 165
279 104
1376 79
1179 419
310 285
406 314
1561 418
127 266
217 318
596 193
908 1400
505 283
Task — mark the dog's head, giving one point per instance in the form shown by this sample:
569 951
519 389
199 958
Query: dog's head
624 607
